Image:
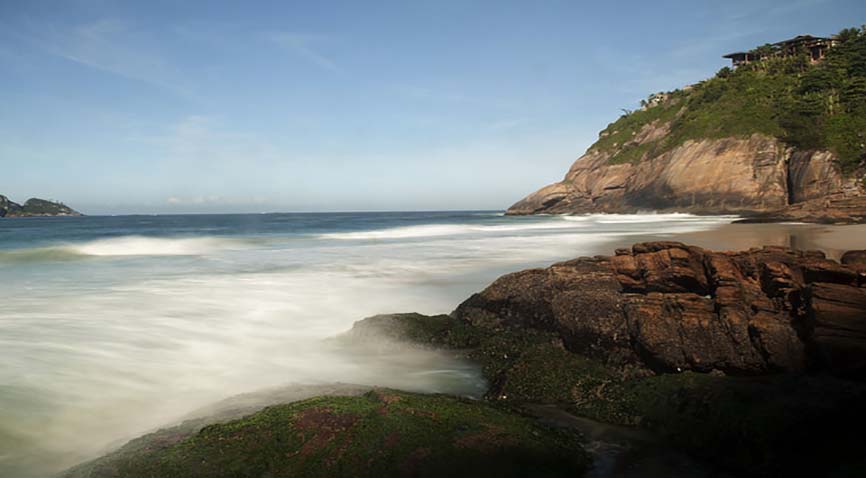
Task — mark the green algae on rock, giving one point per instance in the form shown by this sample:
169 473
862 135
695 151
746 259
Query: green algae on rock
755 425
381 433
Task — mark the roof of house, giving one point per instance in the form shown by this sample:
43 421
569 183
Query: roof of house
795 40
801 38
738 53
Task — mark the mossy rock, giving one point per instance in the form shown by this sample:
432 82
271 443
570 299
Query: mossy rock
440 331
381 433
758 425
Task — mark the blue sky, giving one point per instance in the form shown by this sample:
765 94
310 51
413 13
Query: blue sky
169 107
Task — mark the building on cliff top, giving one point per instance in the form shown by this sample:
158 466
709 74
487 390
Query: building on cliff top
815 47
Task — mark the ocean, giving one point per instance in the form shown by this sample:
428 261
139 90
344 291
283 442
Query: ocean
111 326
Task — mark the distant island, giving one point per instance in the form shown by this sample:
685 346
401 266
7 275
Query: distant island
777 135
35 207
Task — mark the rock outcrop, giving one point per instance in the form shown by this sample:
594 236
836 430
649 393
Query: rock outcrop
758 174
834 209
8 208
34 207
671 307
753 360
382 433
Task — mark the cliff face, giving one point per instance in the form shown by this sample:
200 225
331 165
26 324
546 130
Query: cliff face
34 207
728 175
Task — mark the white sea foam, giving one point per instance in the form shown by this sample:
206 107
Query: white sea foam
435 230
152 246
646 218
559 222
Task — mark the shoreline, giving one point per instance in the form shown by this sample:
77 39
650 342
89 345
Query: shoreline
630 351
832 239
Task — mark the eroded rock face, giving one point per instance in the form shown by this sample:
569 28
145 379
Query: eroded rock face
727 175
671 307
711 175
812 175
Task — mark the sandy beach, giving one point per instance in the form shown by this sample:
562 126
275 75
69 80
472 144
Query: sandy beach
833 240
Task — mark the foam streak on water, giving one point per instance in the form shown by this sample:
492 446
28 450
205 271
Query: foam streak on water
110 326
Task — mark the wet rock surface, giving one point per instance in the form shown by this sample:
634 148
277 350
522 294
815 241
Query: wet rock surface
379 433
751 360
833 209
670 307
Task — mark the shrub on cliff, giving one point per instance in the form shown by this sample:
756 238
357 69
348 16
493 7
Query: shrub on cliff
820 106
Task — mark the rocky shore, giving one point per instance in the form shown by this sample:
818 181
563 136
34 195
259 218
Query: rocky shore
834 209
753 361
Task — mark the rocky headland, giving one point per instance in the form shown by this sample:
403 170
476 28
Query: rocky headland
753 361
757 176
34 207
774 139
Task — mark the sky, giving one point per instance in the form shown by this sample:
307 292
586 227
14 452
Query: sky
178 107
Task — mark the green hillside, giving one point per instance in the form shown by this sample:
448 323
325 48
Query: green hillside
820 106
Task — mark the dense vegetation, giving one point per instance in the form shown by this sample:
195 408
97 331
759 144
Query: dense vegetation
808 106
34 207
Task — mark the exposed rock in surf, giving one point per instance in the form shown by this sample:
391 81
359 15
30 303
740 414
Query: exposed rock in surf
725 354
709 349
379 434
667 307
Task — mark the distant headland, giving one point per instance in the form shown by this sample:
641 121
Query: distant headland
34 207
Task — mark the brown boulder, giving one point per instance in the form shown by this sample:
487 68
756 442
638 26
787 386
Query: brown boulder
856 260
671 307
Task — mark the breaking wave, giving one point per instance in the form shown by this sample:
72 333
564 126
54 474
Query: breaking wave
434 230
122 246
567 222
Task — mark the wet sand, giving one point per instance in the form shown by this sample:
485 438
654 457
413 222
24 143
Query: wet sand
833 240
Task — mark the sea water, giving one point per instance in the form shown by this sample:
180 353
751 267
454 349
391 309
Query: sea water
113 326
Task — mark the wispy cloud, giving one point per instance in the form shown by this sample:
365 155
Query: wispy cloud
111 46
302 45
